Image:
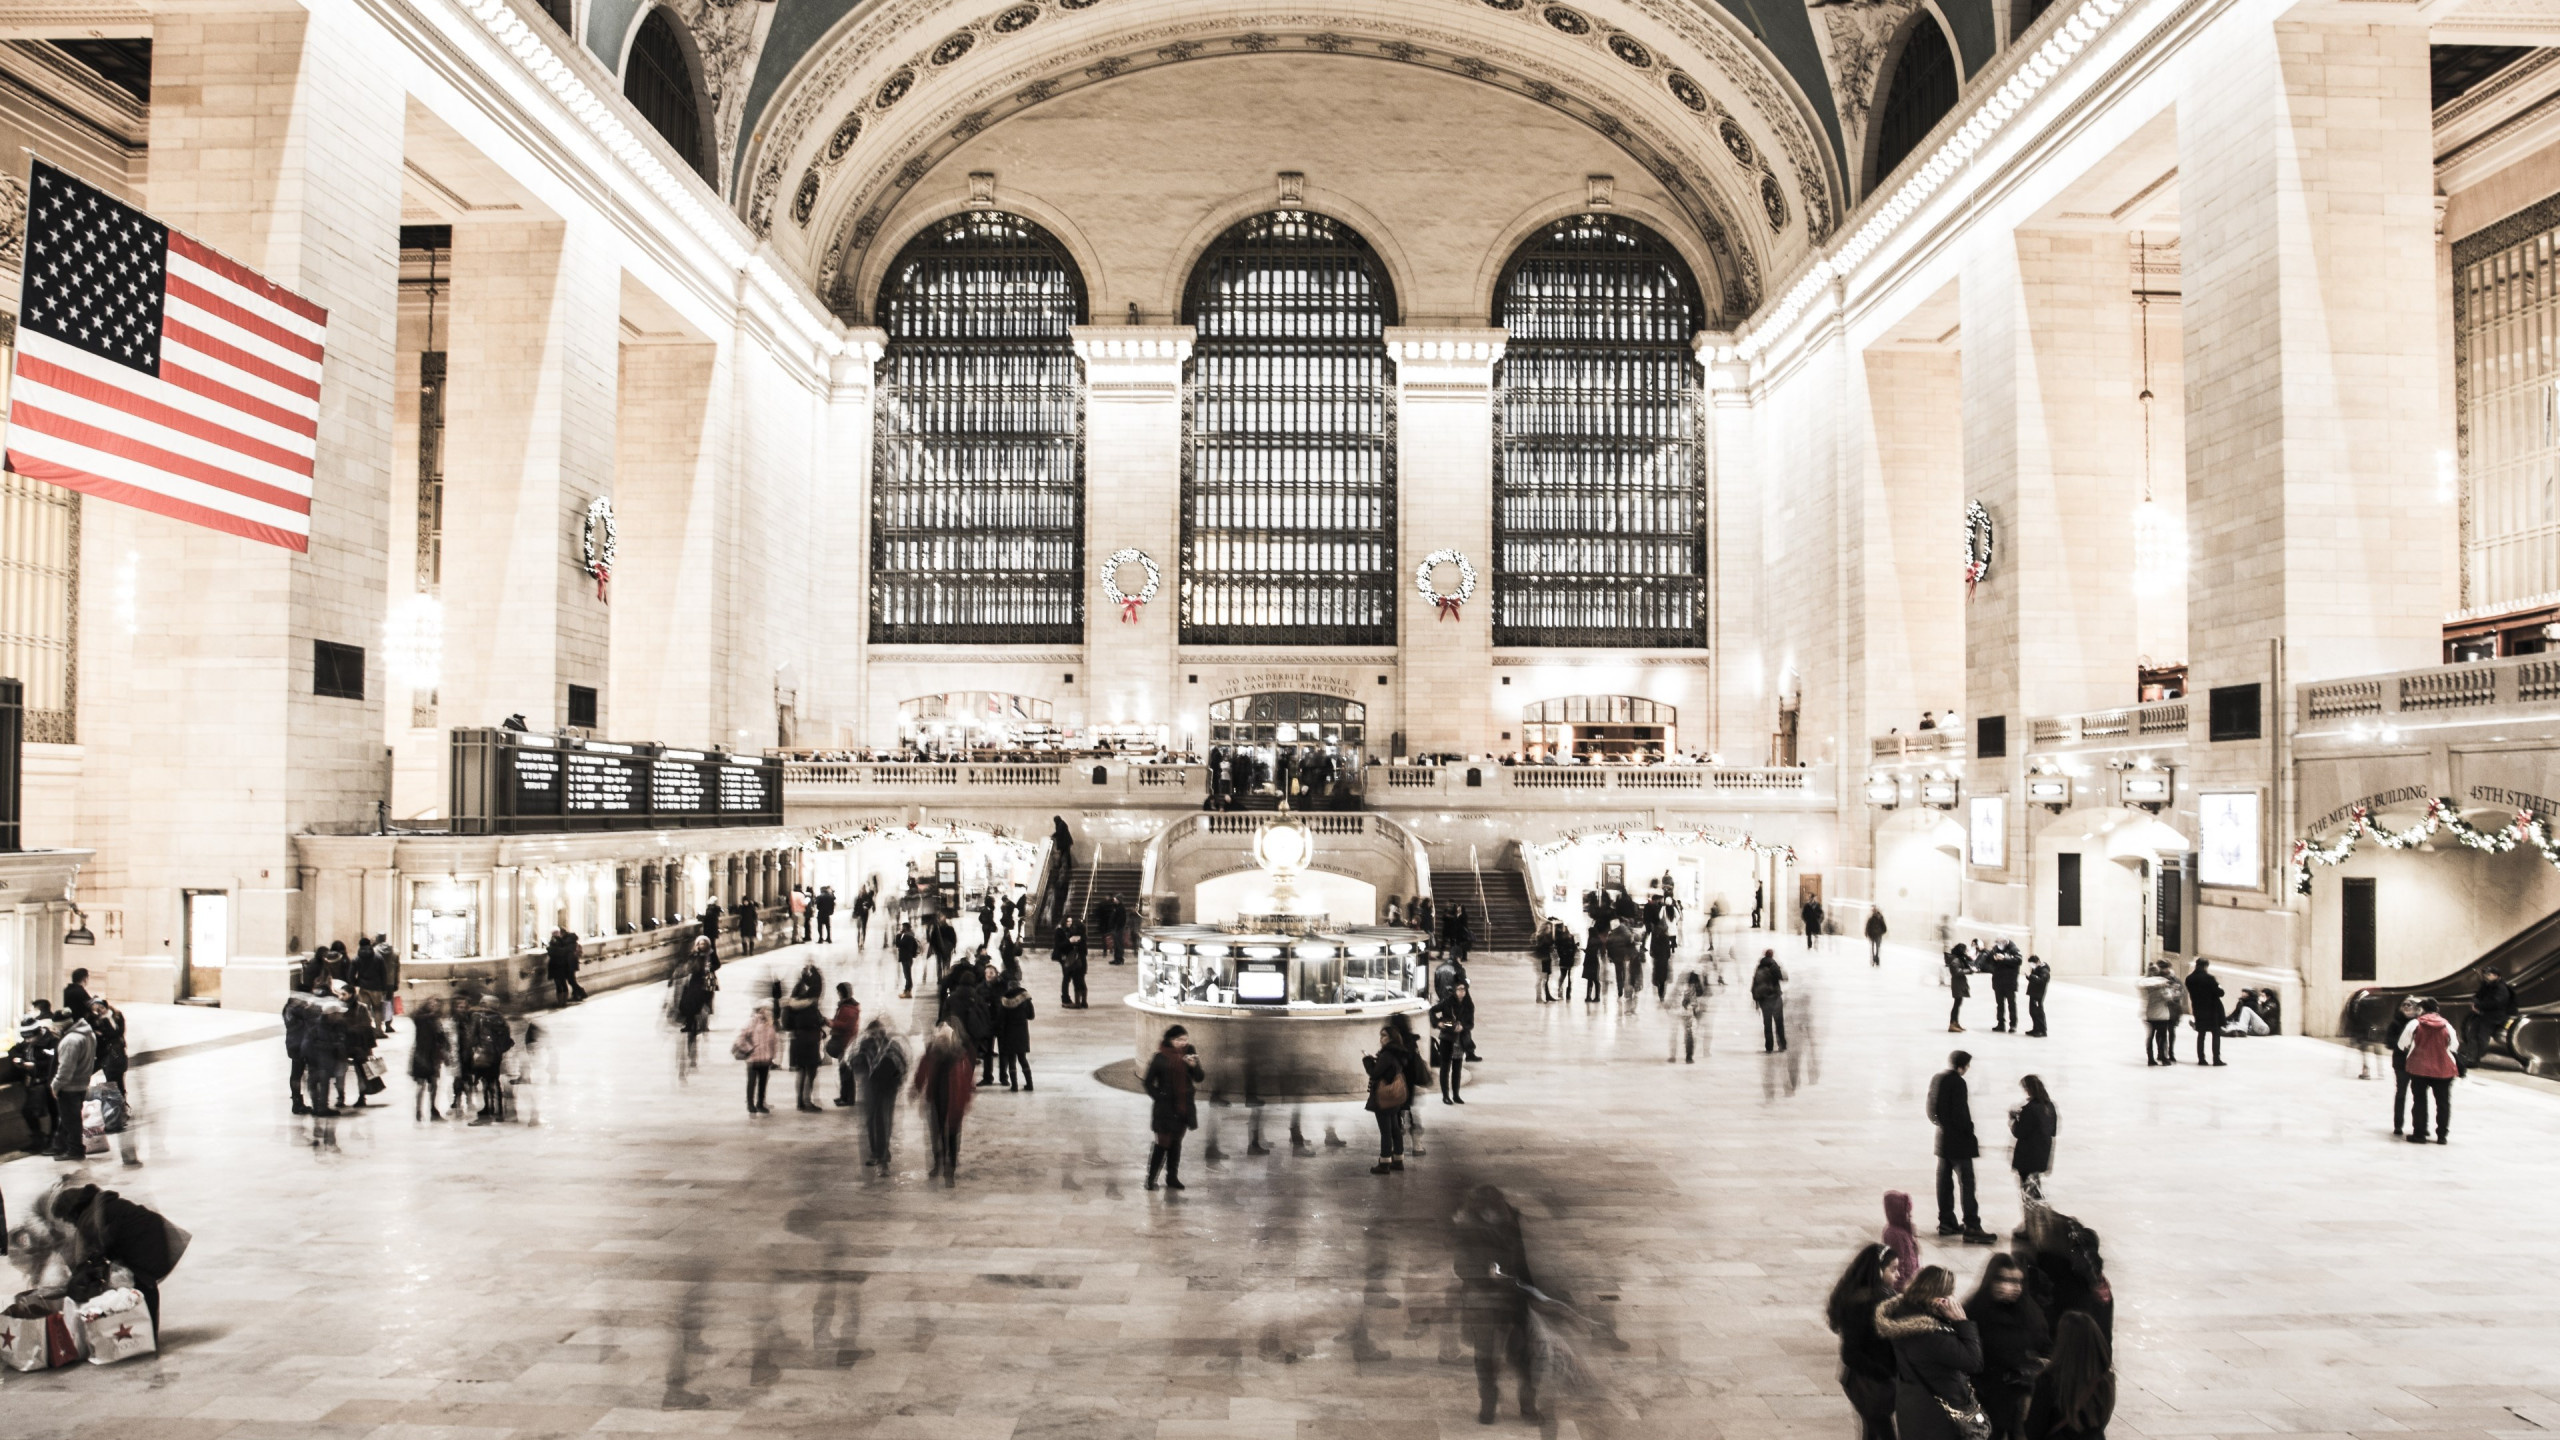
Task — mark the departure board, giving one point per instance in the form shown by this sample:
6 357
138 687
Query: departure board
512 781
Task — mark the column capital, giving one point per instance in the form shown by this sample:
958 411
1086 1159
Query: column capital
1445 360
1133 360
853 366
1728 374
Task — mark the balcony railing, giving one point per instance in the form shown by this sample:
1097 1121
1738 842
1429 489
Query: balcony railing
2482 689
1921 745
2162 722
807 782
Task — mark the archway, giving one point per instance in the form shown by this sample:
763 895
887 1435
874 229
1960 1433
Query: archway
1300 744
2096 873
1572 729
662 78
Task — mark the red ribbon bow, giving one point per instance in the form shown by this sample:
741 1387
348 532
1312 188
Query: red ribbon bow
603 574
1448 606
1129 608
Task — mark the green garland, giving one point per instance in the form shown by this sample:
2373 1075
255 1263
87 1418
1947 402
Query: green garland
2442 814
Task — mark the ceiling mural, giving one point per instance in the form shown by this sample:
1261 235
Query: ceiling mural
830 111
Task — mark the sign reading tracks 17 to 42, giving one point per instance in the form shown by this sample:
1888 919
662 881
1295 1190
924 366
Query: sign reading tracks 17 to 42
509 782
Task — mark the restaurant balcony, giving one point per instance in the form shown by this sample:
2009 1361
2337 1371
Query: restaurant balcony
1122 782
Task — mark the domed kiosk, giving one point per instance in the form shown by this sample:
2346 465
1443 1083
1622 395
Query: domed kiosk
1280 1003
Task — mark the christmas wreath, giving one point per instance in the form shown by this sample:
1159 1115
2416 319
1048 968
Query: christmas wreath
1447 602
600 541
1111 591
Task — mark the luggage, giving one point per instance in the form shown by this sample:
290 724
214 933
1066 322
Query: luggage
115 1326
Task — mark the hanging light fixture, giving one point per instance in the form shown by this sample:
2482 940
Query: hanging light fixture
2159 542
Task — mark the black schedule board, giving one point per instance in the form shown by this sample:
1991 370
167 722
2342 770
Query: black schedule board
512 782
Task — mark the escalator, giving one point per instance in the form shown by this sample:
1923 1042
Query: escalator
2529 960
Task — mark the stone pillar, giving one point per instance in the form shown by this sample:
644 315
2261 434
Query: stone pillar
529 441
273 141
666 585
1734 728
1133 500
2307 268
842 685
1444 501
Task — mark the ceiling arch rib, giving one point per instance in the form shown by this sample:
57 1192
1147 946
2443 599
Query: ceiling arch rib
870 114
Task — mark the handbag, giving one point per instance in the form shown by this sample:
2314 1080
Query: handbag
1970 1423
1393 1093
741 1048
836 1044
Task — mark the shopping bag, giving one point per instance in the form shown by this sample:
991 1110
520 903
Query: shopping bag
93 1124
110 1098
116 1326
22 1336
398 1006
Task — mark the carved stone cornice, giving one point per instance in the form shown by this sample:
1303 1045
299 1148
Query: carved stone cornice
1133 361
1445 362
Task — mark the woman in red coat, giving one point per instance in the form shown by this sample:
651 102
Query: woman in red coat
2428 1042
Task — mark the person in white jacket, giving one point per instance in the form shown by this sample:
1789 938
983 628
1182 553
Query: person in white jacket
2162 1002
75 1059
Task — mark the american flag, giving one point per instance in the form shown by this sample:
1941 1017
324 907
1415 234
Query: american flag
154 372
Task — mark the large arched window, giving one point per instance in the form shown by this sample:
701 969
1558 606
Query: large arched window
1600 505
977 486
1921 92
1288 480
659 83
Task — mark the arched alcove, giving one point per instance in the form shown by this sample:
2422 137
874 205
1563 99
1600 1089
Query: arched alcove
1918 94
662 78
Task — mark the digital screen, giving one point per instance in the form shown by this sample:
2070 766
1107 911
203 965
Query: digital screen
511 781
742 789
1262 986
675 787
601 784
1988 836
537 787
2229 853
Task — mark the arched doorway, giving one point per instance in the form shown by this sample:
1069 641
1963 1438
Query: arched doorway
1305 746
1596 729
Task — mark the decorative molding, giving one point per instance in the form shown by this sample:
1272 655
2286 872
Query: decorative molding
2512 115
1133 362
1576 659
969 655
1282 655
1453 364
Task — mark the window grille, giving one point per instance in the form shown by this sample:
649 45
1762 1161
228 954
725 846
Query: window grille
1923 89
2506 311
1288 479
659 83
977 521
1600 500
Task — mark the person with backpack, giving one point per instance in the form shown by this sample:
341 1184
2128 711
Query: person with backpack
1394 1073
757 1044
1769 992
486 1039
881 1061
2433 1062
842 1029
1173 1074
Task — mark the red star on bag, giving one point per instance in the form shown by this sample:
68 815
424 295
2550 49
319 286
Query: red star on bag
8 1338
124 1332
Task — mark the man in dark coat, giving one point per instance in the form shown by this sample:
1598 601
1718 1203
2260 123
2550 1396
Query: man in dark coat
1172 1075
2204 1008
2493 1007
2004 988
710 918
1875 937
2039 975
75 994
1811 914
560 964
1951 1110
824 907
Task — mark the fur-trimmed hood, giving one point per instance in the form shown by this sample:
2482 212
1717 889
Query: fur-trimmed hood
1891 1327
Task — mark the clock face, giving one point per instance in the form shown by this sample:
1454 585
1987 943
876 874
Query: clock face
1283 847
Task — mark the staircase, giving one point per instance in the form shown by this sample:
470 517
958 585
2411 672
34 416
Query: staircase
1090 886
1500 917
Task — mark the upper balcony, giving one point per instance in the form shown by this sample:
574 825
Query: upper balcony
2161 722
1120 781
2481 692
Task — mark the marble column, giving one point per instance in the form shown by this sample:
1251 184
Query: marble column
842 684
529 441
273 141
1444 501
1734 728
1133 490
665 612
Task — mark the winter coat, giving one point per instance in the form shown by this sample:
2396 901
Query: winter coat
1390 1061
2014 1338
2429 1044
883 1063
1931 1362
2044 1413
1171 1077
1875 924
75 1059
430 1049
2033 1128
1901 1239
2004 974
1951 1110
2204 1000
1958 987
1013 1016
2160 998
761 1040
945 1082
843 1026
2038 976
1768 984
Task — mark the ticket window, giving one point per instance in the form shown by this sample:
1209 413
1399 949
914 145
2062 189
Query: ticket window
208 942
444 920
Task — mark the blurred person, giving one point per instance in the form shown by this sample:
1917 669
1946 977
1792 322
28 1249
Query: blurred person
1875 940
373 984
1866 1360
881 1061
1935 1348
1013 1016
2204 1003
1659 942
709 920
2004 989
1456 935
1542 950
324 1048
944 1085
1951 1110
1622 961
2160 1006
2075 1393
1592 954
822 912
797 897
2433 1062
976 1015
1810 912
694 984
2015 1341
483 1039
2039 975
1173 1075
2493 1009
1769 993
1959 989
1901 1239
1689 1004
1492 1262
844 1027
430 1050
100 1228
801 1021
906 947
1394 1072
756 1045
560 965
1452 1021
744 920
2032 1125
2403 1016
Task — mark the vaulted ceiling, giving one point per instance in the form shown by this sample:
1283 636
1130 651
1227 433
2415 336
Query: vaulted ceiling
1749 113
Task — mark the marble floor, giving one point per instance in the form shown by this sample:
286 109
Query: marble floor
648 1259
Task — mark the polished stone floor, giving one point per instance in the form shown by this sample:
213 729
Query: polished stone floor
648 1259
